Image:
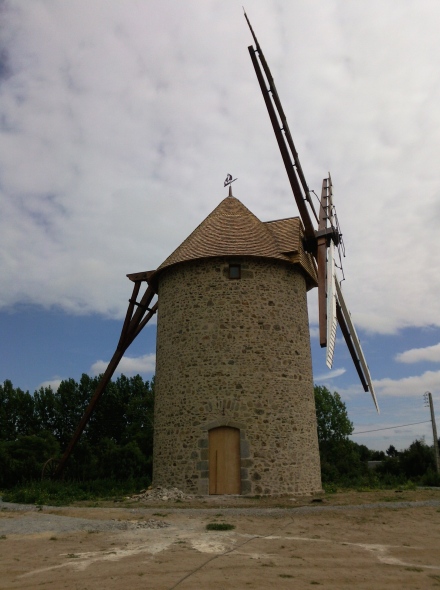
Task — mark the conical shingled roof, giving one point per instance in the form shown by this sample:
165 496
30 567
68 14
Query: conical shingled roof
232 230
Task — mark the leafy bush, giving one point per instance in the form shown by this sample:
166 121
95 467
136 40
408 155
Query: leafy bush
219 526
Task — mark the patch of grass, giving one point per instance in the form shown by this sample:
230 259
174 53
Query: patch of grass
285 576
162 514
53 539
219 526
63 493
72 556
414 569
2 536
316 583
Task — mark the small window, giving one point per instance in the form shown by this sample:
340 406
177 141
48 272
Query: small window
234 271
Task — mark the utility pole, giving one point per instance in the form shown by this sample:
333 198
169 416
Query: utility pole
428 401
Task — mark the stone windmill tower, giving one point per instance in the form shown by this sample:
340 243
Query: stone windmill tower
235 408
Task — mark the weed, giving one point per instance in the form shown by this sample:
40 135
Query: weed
162 514
285 576
219 526
414 569
72 556
2 536
53 539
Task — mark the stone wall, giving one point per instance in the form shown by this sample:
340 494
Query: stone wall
235 352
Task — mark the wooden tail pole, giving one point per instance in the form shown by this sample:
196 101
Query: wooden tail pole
133 324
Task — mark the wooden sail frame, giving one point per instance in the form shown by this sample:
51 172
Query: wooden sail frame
321 242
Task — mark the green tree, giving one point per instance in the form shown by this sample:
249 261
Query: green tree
17 416
117 442
331 414
342 460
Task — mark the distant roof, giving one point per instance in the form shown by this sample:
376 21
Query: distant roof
232 230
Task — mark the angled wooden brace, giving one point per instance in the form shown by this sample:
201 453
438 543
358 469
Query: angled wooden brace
134 322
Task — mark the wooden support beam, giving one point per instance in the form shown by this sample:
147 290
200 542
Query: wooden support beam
133 325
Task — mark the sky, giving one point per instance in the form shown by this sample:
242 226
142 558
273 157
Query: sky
119 122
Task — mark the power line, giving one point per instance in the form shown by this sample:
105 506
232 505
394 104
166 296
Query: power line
389 427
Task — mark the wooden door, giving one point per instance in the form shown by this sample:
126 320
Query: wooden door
224 461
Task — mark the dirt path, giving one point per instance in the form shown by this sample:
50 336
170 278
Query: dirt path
378 540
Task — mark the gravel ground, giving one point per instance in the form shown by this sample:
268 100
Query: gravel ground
42 519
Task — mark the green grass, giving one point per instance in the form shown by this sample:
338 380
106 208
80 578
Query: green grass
219 526
63 493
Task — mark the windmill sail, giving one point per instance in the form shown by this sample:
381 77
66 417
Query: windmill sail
327 214
352 337
332 322
321 243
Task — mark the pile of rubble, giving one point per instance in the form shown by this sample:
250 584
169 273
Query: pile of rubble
151 524
160 494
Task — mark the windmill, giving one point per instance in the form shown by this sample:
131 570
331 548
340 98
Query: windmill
321 242
234 407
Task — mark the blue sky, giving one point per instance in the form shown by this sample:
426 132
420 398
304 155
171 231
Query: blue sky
119 123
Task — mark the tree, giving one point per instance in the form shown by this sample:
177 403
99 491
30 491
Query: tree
392 451
342 460
331 414
116 443
17 415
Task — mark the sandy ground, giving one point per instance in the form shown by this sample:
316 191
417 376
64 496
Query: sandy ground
349 540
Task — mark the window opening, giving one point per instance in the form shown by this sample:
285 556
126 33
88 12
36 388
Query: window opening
234 271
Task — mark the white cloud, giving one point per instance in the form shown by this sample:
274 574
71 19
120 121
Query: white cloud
128 365
416 355
119 122
330 375
408 386
52 383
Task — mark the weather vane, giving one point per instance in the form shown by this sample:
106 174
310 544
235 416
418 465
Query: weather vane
229 180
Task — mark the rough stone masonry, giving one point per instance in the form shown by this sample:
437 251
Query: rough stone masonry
236 352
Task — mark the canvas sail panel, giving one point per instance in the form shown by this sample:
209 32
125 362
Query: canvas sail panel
356 342
331 305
